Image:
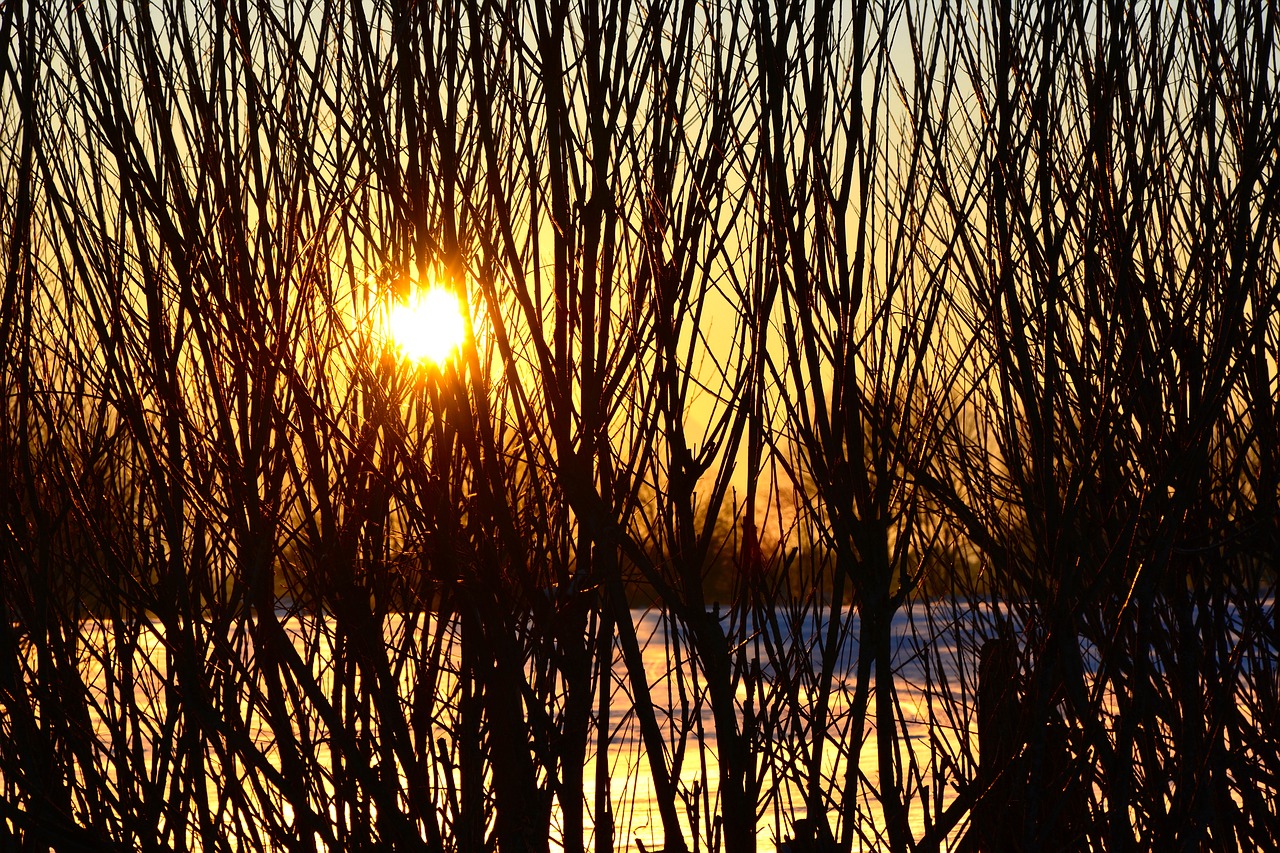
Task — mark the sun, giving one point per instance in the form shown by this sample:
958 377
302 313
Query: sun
429 326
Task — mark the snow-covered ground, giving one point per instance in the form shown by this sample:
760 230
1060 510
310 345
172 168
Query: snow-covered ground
933 680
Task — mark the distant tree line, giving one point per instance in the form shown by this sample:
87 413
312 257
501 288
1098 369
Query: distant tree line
797 320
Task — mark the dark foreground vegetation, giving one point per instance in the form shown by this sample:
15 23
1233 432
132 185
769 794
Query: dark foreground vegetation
902 304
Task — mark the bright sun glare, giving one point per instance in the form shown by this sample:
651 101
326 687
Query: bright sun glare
429 326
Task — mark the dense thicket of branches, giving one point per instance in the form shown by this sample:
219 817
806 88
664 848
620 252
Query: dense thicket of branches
964 318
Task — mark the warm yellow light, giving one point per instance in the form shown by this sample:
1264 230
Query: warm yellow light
430 326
